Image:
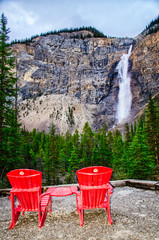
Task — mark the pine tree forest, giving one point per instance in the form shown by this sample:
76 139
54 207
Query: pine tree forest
132 155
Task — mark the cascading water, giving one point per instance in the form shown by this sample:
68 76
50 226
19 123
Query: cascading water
124 96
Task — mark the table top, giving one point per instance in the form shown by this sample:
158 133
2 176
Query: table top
62 191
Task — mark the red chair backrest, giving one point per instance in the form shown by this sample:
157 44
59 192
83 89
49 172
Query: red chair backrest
92 183
26 179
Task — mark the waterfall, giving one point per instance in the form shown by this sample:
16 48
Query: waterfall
124 96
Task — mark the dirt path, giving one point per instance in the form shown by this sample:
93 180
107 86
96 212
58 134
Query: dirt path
135 214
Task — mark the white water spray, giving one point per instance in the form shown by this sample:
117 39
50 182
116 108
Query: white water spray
124 96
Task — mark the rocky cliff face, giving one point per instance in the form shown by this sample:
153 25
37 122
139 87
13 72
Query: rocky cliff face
145 69
69 81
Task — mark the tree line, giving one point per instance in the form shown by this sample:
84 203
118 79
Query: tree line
58 156
152 27
96 33
135 154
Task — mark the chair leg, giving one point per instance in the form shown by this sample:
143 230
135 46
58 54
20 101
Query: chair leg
50 209
108 208
77 204
43 217
109 215
81 217
15 212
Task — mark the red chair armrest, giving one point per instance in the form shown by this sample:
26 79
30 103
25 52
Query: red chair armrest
44 194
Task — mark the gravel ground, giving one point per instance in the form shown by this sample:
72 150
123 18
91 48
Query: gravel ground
135 214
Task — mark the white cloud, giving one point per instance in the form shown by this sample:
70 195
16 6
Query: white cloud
19 15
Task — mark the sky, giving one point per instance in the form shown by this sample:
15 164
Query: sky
115 18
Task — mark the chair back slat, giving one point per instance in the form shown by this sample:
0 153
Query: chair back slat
92 183
26 179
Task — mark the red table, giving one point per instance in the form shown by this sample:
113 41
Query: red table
62 191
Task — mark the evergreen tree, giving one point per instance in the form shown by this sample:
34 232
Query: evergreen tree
132 131
62 162
152 128
40 153
67 148
26 151
47 162
125 159
35 136
104 148
140 161
117 152
95 158
127 135
86 145
10 156
101 152
110 140
50 161
73 163
76 138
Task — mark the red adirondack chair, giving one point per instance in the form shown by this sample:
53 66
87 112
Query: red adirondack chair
95 190
26 187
